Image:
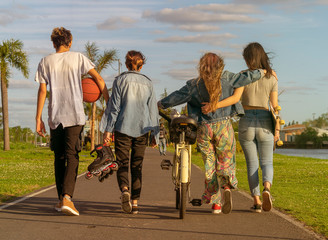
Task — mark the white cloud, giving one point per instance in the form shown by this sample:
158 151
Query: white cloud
286 5
191 62
198 28
117 23
21 84
182 74
158 32
7 17
211 39
212 13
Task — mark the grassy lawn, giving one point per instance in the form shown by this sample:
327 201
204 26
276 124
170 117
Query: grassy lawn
26 168
300 187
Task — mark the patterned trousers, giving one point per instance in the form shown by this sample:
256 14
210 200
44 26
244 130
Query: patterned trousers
217 144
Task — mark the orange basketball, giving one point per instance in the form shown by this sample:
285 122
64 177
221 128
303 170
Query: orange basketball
91 91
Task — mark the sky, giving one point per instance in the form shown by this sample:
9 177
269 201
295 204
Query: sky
173 35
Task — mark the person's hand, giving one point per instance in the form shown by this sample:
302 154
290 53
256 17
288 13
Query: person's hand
206 108
274 74
159 105
153 142
107 137
276 135
40 128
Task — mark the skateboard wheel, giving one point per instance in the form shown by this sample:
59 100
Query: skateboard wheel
278 108
280 143
282 122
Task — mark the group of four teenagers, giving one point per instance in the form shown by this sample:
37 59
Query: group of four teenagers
212 100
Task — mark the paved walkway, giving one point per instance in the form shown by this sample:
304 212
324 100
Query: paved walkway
101 216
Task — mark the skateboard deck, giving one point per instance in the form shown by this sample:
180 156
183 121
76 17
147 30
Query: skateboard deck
276 123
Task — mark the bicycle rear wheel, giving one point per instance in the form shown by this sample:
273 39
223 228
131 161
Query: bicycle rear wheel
183 200
177 198
184 178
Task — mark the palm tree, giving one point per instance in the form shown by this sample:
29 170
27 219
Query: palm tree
11 55
102 62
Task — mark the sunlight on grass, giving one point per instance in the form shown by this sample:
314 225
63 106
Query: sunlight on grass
300 187
26 168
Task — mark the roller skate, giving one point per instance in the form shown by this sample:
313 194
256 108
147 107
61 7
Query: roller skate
103 165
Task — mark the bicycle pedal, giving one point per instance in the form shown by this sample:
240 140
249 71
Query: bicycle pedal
166 164
196 202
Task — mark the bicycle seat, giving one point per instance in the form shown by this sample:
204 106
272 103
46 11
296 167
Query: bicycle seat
180 121
183 124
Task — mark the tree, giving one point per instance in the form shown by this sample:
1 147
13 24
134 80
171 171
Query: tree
11 55
0 116
102 62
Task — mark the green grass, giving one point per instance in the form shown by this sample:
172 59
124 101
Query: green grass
300 187
26 168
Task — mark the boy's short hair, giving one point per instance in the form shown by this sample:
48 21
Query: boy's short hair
61 37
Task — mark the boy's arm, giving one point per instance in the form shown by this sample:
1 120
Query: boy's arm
42 94
233 99
100 82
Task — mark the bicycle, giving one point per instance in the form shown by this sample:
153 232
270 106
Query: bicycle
183 132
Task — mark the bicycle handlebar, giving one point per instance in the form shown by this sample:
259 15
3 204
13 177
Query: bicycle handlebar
163 115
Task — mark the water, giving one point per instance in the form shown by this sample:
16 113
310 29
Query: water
313 153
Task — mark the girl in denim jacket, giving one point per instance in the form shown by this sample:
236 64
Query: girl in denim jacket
215 136
130 115
255 134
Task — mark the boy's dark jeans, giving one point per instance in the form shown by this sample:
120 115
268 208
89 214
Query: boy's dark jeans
66 144
123 144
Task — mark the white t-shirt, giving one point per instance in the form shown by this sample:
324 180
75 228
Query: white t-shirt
62 73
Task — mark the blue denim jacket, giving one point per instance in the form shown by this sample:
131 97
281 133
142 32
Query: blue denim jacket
132 108
195 92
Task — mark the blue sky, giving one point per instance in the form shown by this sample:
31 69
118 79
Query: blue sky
173 34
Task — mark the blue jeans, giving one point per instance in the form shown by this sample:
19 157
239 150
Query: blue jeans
162 146
256 140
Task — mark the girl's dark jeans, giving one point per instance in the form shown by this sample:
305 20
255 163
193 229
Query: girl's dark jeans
66 144
123 145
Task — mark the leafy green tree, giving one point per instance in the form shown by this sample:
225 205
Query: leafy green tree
0 116
102 61
309 135
11 55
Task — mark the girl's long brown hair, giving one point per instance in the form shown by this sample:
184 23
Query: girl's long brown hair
256 58
134 60
210 69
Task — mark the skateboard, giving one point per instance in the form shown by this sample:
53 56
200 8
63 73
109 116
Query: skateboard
277 122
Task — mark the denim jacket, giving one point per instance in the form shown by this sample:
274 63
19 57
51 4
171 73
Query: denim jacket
195 92
132 108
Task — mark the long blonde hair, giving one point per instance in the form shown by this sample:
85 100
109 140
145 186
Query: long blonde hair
210 69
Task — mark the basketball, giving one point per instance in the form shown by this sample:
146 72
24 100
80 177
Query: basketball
91 91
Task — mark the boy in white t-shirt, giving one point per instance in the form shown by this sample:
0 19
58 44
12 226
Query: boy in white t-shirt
62 72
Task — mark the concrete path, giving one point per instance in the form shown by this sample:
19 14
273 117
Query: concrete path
101 216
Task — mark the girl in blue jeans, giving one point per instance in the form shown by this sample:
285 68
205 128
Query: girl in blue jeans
255 127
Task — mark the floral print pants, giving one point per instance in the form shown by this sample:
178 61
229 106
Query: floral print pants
217 144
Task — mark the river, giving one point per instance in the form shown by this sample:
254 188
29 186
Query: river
314 153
